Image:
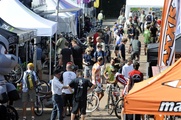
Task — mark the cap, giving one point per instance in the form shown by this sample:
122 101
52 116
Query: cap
120 26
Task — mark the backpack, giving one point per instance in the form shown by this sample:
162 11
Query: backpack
149 18
30 80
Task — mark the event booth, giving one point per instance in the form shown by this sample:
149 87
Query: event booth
27 20
136 6
156 95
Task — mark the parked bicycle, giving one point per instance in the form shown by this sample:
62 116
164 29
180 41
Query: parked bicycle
92 102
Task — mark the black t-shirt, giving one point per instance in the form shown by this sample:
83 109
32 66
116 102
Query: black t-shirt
153 30
77 52
80 86
123 51
66 53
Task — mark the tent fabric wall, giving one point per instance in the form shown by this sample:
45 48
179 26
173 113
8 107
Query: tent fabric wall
66 21
26 18
23 35
157 95
149 4
10 36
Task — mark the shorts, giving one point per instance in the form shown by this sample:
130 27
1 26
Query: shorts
81 105
39 65
30 95
87 71
135 54
67 99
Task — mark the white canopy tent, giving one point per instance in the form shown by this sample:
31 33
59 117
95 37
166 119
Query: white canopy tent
147 5
17 15
66 21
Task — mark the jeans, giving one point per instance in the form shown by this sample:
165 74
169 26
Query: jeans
57 107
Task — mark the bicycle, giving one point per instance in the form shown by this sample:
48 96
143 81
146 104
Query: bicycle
42 87
118 107
113 93
92 102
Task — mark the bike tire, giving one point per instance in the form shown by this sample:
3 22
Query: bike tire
16 74
110 105
118 108
12 114
42 87
92 102
38 109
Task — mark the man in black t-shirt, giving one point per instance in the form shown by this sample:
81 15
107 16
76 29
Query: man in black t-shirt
77 54
80 86
65 56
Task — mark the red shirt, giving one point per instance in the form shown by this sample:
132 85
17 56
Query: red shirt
95 36
135 76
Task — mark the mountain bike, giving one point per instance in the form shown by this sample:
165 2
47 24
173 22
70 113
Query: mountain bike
118 107
113 94
92 102
42 87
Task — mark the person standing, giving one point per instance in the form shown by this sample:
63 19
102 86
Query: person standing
96 77
122 49
60 44
65 56
142 22
135 47
56 88
38 62
29 93
153 32
81 88
67 95
100 17
77 54
127 68
147 38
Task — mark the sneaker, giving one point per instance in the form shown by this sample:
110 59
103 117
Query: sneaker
98 109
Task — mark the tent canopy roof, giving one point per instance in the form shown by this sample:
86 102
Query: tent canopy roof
26 18
156 95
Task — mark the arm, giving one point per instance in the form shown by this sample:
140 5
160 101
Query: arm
68 87
90 89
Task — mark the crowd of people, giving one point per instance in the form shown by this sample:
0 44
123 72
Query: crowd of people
79 69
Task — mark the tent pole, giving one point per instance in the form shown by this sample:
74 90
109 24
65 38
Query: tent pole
57 19
50 55
35 53
133 116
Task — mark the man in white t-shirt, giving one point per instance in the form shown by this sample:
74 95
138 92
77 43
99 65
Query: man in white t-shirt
67 95
127 68
142 21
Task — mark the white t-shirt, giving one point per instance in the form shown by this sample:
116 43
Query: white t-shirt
56 86
68 76
126 69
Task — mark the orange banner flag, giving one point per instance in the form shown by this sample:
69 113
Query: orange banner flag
170 15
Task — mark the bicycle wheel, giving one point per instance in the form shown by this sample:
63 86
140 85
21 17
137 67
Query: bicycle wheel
38 107
118 108
92 102
15 75
12 114
42 87
110 105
